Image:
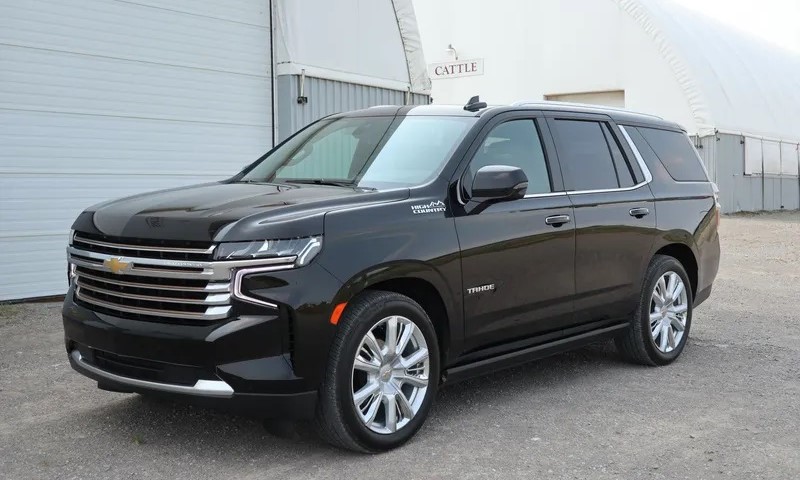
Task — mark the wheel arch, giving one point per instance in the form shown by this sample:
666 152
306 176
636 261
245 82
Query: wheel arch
424 284
686 256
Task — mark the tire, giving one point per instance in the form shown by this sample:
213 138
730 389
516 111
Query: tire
639 344
338 419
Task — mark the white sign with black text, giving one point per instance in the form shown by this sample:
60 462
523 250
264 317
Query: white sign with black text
458 68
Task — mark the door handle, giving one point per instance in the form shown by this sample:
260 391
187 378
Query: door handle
639 212
557 220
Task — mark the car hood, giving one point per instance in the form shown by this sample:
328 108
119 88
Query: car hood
226 211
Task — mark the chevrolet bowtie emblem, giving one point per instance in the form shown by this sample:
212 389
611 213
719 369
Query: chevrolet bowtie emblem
116 265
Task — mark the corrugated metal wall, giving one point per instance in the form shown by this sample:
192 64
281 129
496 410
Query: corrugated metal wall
724 156
326 97
102 99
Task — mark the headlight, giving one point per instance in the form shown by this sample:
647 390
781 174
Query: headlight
304 248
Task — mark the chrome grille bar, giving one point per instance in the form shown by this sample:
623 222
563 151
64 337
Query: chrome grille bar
213 299
157 287
163 268
211 287
212 313
143 248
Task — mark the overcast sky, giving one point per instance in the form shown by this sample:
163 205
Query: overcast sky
777 21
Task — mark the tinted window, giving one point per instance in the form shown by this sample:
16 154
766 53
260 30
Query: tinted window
649 156
676 154
517 144
584 154
624 172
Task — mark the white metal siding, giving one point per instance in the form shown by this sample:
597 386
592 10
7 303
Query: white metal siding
104 98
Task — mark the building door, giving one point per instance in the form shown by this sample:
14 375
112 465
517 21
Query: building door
102 99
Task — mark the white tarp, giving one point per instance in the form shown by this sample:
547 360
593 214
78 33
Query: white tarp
409 32
733 82
373 42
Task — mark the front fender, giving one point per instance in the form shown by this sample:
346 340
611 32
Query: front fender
369 245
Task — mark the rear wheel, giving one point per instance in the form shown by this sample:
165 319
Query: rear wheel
382 374
660 327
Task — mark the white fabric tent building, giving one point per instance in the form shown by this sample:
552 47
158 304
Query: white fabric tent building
739 96
334 56
103 99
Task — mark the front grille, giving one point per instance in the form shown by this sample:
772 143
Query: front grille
151 282
155 280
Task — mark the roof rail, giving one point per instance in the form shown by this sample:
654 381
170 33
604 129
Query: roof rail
545 103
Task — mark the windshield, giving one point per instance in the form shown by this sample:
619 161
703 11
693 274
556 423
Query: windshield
369 152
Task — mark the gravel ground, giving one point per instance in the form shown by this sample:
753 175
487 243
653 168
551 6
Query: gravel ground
728 408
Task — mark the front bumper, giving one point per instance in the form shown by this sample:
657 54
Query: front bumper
207 393
204 388
262 361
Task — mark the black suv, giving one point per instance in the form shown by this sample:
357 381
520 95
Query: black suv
378 254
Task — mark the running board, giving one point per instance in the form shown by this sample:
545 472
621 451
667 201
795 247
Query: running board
525 355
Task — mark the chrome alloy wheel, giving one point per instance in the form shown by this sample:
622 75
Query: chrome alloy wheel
390 374
669 306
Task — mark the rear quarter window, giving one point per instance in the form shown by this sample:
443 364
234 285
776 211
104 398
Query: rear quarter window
676 153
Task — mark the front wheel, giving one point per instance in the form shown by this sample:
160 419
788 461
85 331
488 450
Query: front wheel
660 327
382 374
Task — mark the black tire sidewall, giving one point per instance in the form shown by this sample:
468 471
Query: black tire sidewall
666 264
374 313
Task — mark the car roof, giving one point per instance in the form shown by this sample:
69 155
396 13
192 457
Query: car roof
618 115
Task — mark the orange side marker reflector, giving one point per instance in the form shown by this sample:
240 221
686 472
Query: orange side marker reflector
337 312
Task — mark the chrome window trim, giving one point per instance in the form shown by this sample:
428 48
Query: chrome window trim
648 177
207 388
607 190
143 248
550 194
241 273
458 193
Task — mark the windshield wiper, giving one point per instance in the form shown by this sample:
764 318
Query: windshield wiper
258 182
320 181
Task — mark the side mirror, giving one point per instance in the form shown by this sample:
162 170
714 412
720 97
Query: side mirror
498 183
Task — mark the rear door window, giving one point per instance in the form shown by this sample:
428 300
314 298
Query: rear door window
585 155
676 153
